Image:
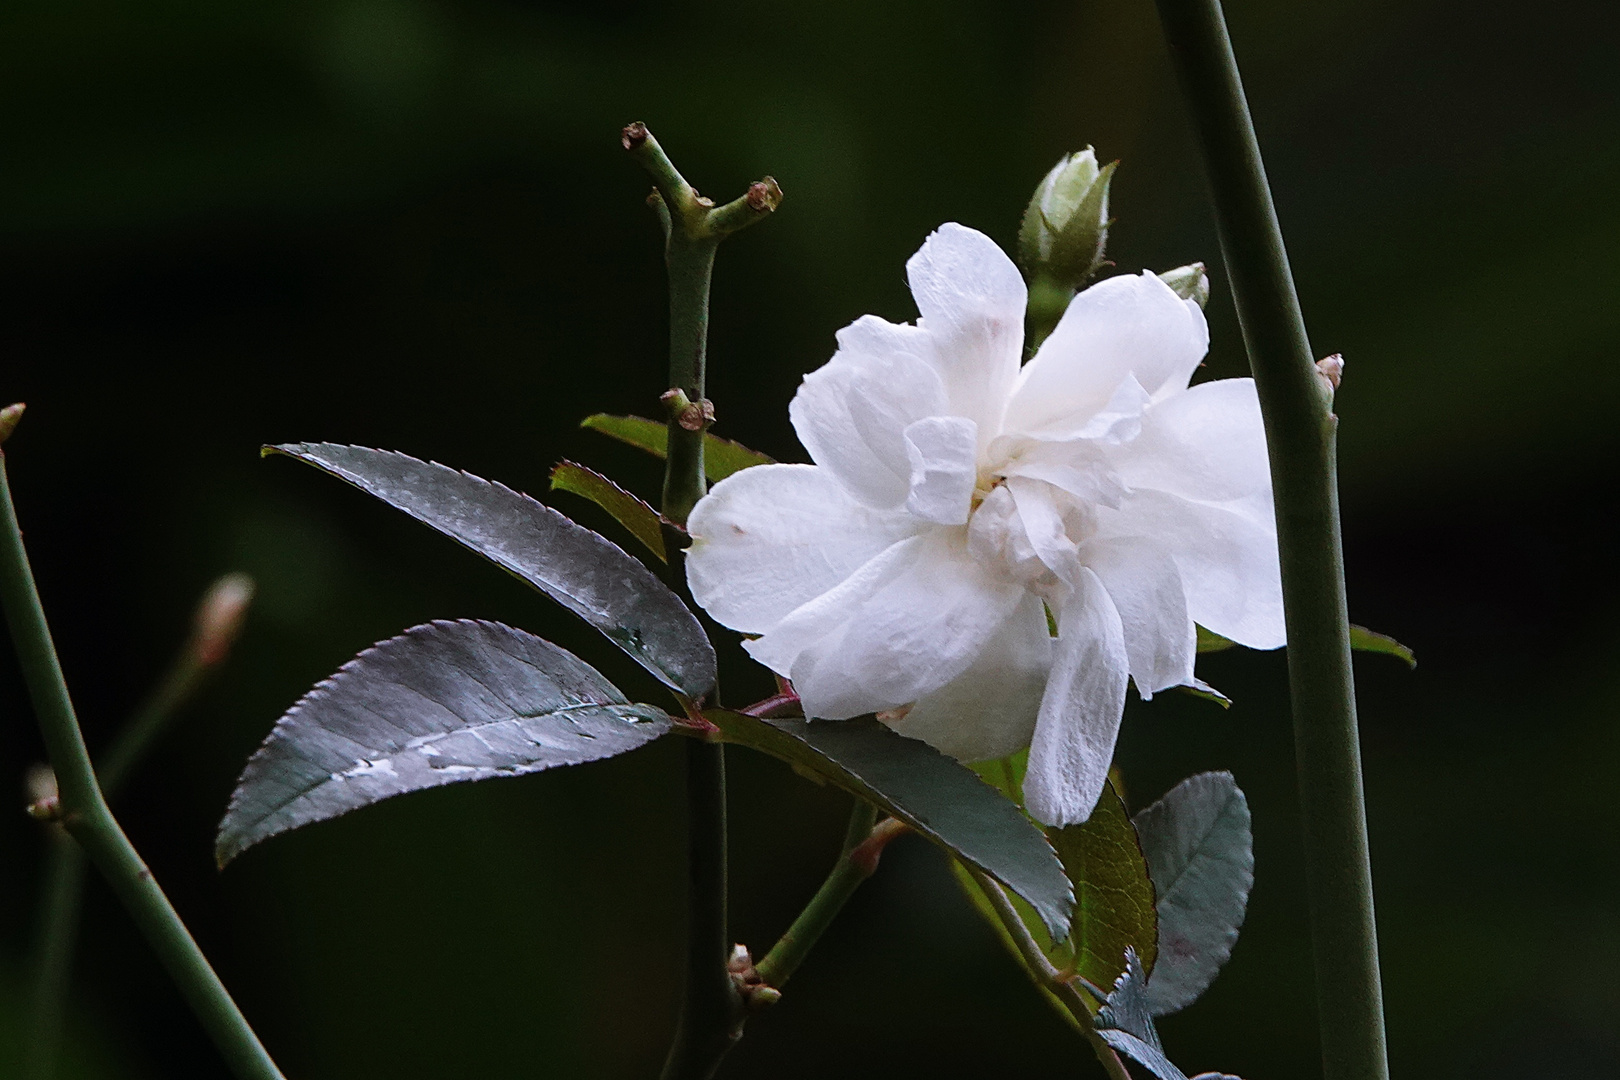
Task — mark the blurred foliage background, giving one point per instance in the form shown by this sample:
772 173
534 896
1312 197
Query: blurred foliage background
409 224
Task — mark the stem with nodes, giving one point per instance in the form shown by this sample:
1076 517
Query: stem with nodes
1296 402
82 810
712 1008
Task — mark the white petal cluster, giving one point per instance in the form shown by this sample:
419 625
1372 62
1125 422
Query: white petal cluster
958 499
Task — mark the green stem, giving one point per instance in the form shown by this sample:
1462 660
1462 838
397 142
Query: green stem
712 1007
1300 432
87 818
1048 300
60 894
1046 975
862 846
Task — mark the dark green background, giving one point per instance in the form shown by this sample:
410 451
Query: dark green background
409 224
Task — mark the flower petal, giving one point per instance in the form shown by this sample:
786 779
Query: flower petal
1043 524
1227 554
905 624
944 468
989 710
1122 326
1145 585
972 300
851 414
1207 444
769 539
1081 710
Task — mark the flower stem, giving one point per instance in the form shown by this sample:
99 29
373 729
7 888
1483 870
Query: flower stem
1045 974
863 844
712 1008
85 815
1300 433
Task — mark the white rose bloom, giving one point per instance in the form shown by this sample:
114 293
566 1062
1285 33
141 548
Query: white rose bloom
956 498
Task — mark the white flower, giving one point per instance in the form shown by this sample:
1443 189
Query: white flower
956 499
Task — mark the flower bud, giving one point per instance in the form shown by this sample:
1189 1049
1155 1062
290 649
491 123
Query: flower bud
1190 282
1065 227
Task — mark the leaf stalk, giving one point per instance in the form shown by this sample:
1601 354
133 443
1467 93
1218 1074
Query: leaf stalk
1300 433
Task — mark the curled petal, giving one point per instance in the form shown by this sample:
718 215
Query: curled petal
989 710
943 468
851 414
1081 710
1145 585
1123 326
1227 555
902 626
769 539
1207 444
972 300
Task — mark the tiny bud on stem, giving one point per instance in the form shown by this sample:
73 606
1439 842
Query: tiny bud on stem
219 618
10 416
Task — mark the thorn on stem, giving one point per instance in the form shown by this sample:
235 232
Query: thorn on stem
44 800
1331 369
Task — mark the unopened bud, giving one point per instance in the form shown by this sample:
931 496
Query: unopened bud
10 416
1065 227
44 801
1190 282
219 618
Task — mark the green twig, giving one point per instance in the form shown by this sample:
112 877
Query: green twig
863 845
1296 401
1045 974
218 619
84 813
712 1007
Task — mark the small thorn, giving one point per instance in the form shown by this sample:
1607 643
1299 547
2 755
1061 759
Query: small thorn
10 417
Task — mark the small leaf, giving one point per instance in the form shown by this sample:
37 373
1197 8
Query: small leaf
1210 641
444 702
584 572
1126 1007
1200 854
1113 912
641 520
721 457
1198 688
934 794
1365 640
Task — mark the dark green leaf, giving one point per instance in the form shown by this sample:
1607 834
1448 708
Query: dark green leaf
936 795
1200 855
1198 688
721 457
586 573
442 703
641 520
1113 910
1209 641
1365 640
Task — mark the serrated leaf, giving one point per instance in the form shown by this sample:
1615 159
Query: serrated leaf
1200 854
639 519
721 457
584 572
1210 641
1114 915
443 703
1365 640
936 795
1126 1007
